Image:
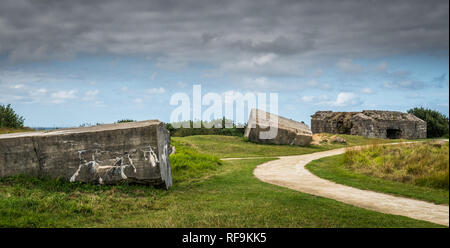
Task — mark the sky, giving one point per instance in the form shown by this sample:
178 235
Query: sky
67 63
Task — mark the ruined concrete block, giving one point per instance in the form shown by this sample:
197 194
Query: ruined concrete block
107 154
370 123
289 132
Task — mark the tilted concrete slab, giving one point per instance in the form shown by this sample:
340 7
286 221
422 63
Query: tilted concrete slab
289 132
135 152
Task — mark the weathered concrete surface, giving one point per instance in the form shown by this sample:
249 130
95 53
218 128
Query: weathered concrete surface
370 123
107 154
289 132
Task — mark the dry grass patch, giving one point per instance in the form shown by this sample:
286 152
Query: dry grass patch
423 164
5 130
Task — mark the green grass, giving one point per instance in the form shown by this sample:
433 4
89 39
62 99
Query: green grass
230 197
188 165
334 169
422 164
4 130
207 192
236 147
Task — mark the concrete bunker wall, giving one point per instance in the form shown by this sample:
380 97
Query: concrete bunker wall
369 124
289 132
399 130
134 152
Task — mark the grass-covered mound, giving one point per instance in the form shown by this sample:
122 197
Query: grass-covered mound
334 169
418 170
423 164
187 164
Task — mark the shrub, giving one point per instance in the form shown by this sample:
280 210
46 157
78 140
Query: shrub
9 118
437 123
236 130
125 120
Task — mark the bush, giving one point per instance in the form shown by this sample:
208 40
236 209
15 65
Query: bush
125 120
437 123
9 118
182 131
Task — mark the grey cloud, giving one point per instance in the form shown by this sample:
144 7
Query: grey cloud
280 45
404 80
220 31
400 80
440 80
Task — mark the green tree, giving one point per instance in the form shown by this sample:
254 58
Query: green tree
437 123
9 118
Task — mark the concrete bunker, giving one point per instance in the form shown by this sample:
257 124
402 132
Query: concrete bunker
288 132
134 152
370 123
393 133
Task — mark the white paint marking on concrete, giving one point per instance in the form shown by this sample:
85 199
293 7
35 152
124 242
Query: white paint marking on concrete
150 155
131 163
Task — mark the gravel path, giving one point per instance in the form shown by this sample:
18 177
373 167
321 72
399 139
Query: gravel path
290 172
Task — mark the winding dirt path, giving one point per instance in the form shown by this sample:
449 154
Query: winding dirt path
290 172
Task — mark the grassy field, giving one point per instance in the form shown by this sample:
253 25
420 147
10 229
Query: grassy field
218 194
189 166
422 164
228 197
237 147
417 171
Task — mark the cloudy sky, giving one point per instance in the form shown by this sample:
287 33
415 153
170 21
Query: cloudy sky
64 63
